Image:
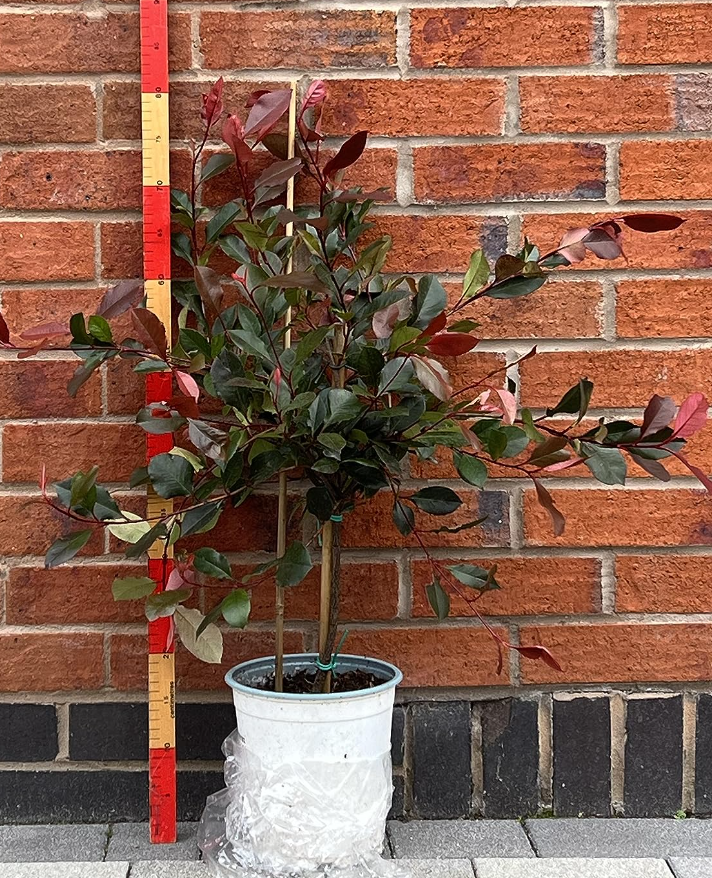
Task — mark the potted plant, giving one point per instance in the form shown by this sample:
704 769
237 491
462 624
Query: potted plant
309 364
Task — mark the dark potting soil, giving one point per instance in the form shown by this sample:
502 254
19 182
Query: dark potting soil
302 682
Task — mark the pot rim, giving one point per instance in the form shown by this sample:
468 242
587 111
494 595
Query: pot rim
305 658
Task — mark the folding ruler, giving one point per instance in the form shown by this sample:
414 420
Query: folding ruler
157 274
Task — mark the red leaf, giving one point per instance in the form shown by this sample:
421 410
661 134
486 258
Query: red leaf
316 94
186 406
437 325
571 246
603 243
692 416
267 110
279 173
45 330
212 107
4 331
207 280
652 222
540 654
653 467
658 414
30 352
451 344
233 133
125 295
545 499
150 331
696 471
349 153
188 385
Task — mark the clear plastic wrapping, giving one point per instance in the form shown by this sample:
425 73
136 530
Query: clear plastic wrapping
299 819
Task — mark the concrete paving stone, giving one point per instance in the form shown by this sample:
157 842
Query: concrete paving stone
131 841
572 868
65 870
621 837
691 867
453 839
169 870
53 844
438 868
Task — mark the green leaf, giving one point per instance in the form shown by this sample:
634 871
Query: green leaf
516 286
171 475
235 248
192 459
576 400
129 531
65 548
396 374
84 372
227 214
235 608
529 428
430 301
477 274
436 500
369 363
212 564
438 599
403 518
142 545
209 647
131 588
607 464
471 575
470 469
310 342
343 406
105 506
251 344
78 329
158 426
180 244
320 503
215 165
334 444
294 565
201 519
82 484
100 329
550 451
163 604
300 401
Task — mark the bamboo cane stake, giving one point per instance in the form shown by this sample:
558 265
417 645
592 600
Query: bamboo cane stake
282 512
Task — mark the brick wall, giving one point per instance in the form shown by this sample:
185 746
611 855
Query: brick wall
489 121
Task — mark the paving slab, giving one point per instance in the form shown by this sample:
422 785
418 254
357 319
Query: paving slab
53 844
65 870
691 867
572 868
169 870
438 868
132 841
623 837
458 839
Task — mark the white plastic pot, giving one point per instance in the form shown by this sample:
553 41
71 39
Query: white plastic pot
313 785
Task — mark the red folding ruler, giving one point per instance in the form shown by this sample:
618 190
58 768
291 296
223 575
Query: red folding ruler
157 273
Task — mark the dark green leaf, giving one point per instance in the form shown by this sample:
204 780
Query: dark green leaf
576 400
436 500
477 275
438 599
65 548
320 503
294 565
607 464
135 550
471 575
227 214
235 608
215 165
403 518
100 328
171 475
516 286
201 519
163 604
212 564
430 301
470 469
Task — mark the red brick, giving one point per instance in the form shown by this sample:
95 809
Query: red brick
249 528
275 39
674 33
665 169
368 591
621 378
558 310
32 251
664 308
46 180
28 526
38 388
24 309
48 662
621 653
371 524
524 37
588 104
663 584
126 391
473 368
75 43
414 107
530 587
495 172
439 243
128 659
121 250
686 247
69 595
117 448
672 517
433 655
47 114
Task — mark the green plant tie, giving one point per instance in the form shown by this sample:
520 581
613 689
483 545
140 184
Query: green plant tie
331 666
337 518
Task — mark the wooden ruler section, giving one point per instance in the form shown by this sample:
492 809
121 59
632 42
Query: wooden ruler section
157 275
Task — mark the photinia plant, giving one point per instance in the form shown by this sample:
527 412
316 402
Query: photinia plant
309 358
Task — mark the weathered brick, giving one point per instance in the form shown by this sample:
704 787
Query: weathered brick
28 526
69 595
693 99
665 169
510 758
621 653
621 378
664 308
673 517
27 308
266 40
47 114
663 584
530 587
653 757
399 108
506 172
117 448
47 662
76 43
502 37
46 180
38 388
588 104
674 33
34 251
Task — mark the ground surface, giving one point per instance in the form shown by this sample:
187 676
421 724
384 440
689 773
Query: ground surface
433 849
